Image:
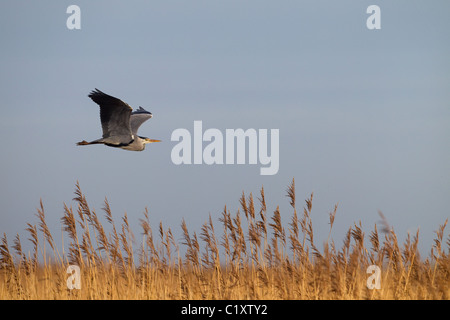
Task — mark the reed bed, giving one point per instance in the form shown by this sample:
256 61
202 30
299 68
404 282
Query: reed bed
251 255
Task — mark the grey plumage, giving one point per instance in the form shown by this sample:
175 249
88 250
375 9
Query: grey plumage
119 123
138 117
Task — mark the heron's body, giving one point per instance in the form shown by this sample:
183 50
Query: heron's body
119 123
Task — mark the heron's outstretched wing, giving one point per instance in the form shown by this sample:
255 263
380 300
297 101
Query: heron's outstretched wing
114 115
137 118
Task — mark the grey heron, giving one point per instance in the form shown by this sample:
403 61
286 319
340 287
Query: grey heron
119 123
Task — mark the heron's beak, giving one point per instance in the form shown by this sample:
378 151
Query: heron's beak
153 140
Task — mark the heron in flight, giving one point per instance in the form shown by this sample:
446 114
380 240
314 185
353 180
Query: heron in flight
119 123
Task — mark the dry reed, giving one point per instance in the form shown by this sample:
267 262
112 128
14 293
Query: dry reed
254 258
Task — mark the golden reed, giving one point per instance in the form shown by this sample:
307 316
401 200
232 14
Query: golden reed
251 256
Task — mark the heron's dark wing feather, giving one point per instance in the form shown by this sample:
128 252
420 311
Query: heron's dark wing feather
137 118
114 115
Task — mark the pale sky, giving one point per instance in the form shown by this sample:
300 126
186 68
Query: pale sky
363 115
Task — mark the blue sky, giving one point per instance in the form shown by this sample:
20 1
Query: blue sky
364 115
